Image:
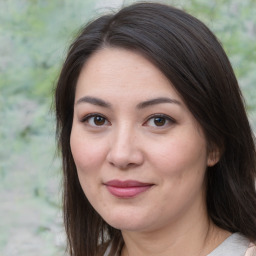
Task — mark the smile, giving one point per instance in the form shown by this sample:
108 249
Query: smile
127 189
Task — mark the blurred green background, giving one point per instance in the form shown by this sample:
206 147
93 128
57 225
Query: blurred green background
34 37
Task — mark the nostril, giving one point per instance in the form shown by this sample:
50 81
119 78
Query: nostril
123 166
125 161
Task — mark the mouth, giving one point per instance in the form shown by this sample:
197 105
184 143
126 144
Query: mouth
127 188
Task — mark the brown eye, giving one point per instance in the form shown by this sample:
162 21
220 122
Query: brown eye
99 120
159 121
95 120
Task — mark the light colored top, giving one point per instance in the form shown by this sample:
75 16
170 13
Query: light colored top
234 245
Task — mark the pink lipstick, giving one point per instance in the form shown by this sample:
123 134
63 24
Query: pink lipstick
127 188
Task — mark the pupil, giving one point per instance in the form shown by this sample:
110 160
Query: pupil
159 121
98 120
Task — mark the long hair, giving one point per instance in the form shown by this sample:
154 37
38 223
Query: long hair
191 57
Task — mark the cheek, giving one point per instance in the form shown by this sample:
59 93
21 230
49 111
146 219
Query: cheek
88 157
179 155
87 154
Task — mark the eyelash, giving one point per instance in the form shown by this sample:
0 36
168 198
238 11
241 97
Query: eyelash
87 118
167 120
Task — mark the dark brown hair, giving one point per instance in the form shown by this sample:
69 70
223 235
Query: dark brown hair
191 57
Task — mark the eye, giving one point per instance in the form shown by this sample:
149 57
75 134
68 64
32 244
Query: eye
95 120
159 121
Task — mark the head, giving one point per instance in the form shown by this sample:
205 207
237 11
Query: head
192 61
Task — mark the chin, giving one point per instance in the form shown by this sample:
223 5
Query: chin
121 220
127 222
127 226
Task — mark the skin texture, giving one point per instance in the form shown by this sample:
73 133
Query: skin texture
119 133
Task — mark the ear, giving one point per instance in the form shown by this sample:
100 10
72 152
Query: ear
213 157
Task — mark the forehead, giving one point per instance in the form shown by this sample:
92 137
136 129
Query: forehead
117 70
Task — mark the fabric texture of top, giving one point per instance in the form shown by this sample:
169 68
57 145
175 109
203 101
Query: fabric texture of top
234 245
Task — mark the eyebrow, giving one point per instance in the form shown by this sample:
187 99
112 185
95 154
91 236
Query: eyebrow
156 101
94 101
144 104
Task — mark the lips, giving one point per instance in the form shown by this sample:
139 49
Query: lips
127 188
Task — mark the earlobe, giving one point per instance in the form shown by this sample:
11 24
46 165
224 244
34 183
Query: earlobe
213 157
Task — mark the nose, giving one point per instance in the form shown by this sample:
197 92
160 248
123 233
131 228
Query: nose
125 151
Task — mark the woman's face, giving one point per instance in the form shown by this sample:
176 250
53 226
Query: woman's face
140 154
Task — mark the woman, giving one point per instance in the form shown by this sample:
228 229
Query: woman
158 154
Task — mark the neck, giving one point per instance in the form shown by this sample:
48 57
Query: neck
198 236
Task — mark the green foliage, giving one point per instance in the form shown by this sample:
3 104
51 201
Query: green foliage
34 36
234 23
